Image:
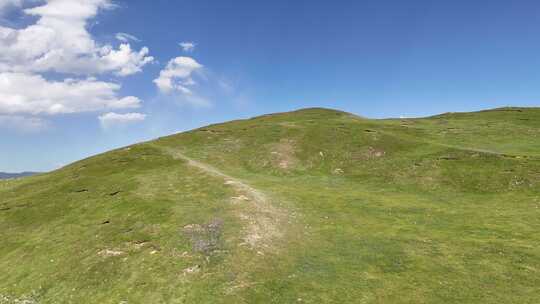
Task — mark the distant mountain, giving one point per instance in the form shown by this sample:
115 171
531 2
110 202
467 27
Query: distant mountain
4 175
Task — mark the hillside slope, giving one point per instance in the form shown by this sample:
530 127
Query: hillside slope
311 206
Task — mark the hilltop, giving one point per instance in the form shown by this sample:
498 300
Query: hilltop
310 206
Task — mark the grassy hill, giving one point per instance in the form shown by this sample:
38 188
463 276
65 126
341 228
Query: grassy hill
311 206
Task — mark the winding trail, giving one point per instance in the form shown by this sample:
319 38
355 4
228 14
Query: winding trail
264 221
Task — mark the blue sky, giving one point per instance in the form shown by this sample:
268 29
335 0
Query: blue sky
373 58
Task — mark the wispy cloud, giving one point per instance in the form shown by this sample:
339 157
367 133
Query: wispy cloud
124 37
23 124
188 46
112 119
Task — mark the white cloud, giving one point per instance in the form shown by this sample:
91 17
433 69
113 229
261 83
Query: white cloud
22 123
177 75
59 41
124 61
187 82
124 37
187 46
112 119
22 93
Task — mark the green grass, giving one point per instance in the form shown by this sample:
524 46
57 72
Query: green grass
444 209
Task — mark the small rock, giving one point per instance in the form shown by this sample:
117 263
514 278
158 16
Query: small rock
192 269
240 198
338 171
191 226
139 244
110 253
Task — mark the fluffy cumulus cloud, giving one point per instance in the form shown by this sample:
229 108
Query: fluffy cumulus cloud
187 46
112 119
177 75
177 79
59 42
124 61
22 93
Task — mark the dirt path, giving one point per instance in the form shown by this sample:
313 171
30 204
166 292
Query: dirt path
264 221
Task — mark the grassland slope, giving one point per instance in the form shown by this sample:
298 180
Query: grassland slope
311 206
